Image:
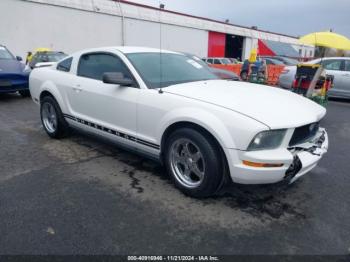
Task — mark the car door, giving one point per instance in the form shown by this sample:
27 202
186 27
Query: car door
98 105
333 67
345 78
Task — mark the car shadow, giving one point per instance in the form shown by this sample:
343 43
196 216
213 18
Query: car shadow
9 97
257 200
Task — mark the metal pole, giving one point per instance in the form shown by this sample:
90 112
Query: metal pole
123 23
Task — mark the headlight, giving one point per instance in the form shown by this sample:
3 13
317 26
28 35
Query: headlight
267 140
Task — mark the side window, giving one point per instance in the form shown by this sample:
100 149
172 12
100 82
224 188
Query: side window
332 64
96 64
44 58
347 65
210 60
35 58
65 65
217 62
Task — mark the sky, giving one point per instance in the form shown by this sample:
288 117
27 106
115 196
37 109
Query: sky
292 17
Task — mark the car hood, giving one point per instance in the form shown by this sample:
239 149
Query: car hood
11 67
272 106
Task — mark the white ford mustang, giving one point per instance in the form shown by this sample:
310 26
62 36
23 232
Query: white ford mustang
169 107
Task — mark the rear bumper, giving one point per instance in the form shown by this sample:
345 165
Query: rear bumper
296 162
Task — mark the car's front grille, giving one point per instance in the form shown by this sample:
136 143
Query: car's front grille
303 134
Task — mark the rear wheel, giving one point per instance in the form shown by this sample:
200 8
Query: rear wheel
194 162
52 118
24 93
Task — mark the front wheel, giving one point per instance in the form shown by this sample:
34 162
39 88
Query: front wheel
52 118
195 162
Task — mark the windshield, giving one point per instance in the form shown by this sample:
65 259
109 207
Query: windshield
174 69
5 54
197 59
55 56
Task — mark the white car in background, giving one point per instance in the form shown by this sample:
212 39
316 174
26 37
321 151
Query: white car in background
169 107
339 67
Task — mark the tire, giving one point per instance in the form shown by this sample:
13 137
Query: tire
244 75
184 166
52 118
24 93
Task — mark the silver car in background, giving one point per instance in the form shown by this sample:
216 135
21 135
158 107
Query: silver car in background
339 67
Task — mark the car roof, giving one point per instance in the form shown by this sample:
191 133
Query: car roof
327 58
336 57
50 52
127 50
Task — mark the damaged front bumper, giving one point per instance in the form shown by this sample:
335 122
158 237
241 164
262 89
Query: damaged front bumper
297 161
306 156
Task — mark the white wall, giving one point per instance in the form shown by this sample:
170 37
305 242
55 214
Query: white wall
141 33
28 25
307 51
175 38
184 39
25 26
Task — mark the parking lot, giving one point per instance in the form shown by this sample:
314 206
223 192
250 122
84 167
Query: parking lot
81 195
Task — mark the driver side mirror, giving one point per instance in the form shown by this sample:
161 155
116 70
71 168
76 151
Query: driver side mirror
19 58
117 78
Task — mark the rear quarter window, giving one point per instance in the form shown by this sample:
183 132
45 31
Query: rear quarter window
65 65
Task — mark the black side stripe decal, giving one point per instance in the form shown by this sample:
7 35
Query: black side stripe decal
113 132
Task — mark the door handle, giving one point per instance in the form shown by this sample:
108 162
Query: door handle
77 88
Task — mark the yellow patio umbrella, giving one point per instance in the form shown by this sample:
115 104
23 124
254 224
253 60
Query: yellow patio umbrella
326 39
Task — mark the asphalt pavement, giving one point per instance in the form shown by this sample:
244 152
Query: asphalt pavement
81 195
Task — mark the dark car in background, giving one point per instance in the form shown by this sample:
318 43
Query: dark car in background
285 60
45 57
272 61
13 74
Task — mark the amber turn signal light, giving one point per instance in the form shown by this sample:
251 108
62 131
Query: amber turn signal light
254 164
